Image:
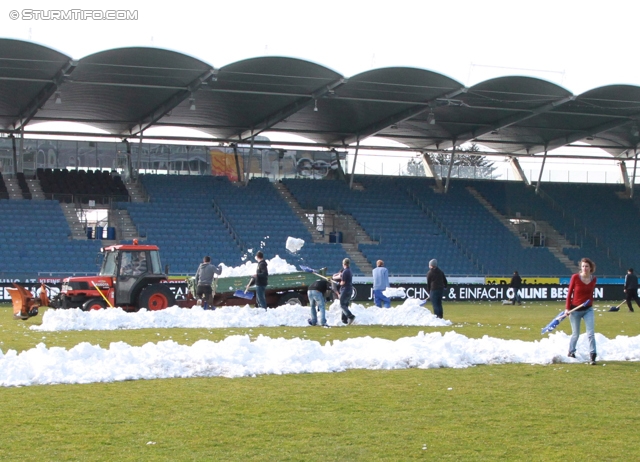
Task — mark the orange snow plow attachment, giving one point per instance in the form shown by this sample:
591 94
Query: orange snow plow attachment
25 305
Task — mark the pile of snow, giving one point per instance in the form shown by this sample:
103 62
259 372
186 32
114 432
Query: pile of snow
294 244
276 265
238 356
395 292
410 313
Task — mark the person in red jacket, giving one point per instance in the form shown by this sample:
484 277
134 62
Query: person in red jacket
580 291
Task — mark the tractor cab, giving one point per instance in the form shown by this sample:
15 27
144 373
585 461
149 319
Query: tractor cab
131 267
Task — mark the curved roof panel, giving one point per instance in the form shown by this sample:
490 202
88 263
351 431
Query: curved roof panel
496 110
28 75
605 116
120 89
253 95
128 90
369 102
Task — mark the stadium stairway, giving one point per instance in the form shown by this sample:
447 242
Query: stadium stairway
556 243
357 258
501 218
136 191
126 230
553 241
35 189
300 213
15 192
514 199
78 231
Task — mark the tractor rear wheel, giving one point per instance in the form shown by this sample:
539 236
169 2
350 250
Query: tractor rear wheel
293 298
94 304
156 297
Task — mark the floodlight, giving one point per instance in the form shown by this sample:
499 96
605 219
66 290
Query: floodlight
431 118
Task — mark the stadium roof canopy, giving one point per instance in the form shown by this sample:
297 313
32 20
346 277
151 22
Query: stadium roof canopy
128 90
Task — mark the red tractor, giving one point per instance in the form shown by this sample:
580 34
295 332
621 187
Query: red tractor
131 277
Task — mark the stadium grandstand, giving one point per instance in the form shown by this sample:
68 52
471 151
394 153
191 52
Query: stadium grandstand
231 192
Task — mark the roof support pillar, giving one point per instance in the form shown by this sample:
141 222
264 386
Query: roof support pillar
355 159
139 156
15 155
235 156
544 160
128 174
624 174
18 167
429 170
515 164
248 163
633 180
453 155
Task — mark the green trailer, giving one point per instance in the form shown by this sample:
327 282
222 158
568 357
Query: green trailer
283 288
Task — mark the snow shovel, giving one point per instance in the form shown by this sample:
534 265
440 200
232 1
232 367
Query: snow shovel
244 293
617 308
311 270
558 319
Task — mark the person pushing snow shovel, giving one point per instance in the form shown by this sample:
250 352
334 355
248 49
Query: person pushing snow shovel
580 292
262 280
204 280
346 290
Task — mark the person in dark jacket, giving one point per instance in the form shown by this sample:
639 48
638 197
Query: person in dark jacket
436 282
204 280
516 284
316 293
631 289
346 290
262 280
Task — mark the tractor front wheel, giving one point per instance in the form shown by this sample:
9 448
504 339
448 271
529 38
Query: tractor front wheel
156 297
94 304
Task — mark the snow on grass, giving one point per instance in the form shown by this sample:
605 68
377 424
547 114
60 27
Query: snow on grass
239 356
410 313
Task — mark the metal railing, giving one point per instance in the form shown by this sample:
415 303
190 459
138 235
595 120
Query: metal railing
229 226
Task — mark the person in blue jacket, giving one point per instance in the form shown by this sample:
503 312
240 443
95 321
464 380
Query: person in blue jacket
380 283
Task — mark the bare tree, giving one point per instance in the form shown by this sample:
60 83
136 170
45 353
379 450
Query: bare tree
478 166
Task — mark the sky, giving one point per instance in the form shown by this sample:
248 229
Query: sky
579 45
